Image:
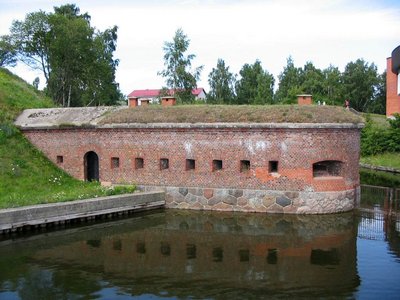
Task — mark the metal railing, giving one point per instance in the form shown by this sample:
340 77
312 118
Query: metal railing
379 211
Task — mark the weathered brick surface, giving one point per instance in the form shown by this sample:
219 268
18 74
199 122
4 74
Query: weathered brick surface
295 150
392 98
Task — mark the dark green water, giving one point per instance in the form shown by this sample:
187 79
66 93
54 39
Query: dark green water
200 255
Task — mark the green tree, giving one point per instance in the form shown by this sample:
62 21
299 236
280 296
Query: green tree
76 60
32 40
255 86
378 103
178 73
360 83
289 83
7 52
312 80
222 84
332 86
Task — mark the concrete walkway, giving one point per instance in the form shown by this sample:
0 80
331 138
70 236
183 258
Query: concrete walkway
16 219
380 168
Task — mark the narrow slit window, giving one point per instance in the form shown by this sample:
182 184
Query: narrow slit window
244 166
273 166
114 162
60 159
216 165
164 163
190 164
139 163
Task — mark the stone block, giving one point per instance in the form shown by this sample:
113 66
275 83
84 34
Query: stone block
208 193
268 201
214 200
236 193
230 200
183 191
283 201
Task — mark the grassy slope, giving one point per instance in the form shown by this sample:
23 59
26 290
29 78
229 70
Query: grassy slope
26 176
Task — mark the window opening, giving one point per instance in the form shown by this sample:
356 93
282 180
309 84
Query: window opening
216 165
60 159
272 257
190 251
327 168
190 164
244 165
244 255
165 249
164 163
114 162
325 257
273 166
141 248
218 254
139 163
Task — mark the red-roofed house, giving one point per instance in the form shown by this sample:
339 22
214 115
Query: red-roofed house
154 94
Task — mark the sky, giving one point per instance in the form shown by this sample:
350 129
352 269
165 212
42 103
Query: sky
321 31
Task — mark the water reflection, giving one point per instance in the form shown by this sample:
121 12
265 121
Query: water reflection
188 254
380 216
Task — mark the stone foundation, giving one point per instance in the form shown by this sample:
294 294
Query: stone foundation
265 201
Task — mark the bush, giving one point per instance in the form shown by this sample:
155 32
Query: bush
376 139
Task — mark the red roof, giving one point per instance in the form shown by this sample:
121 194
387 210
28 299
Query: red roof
156 93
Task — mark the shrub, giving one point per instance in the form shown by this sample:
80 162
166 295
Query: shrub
377 139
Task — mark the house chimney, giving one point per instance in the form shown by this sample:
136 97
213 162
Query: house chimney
304 99
168 101
132 101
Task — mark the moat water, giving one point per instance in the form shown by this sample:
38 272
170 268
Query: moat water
175 254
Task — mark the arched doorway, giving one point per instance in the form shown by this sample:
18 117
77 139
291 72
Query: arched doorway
91 166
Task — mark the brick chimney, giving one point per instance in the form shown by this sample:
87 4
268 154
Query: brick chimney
304 99
168 101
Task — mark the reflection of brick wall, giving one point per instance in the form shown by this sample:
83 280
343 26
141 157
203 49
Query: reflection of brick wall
392 98
245 250
295 150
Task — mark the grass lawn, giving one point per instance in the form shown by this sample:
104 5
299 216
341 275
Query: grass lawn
391 160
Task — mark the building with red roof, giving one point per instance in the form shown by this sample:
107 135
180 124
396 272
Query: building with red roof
154 94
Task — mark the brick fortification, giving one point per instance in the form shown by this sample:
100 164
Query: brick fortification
284 168
392 85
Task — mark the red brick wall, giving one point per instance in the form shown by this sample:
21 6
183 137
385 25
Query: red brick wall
392 98
295 150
